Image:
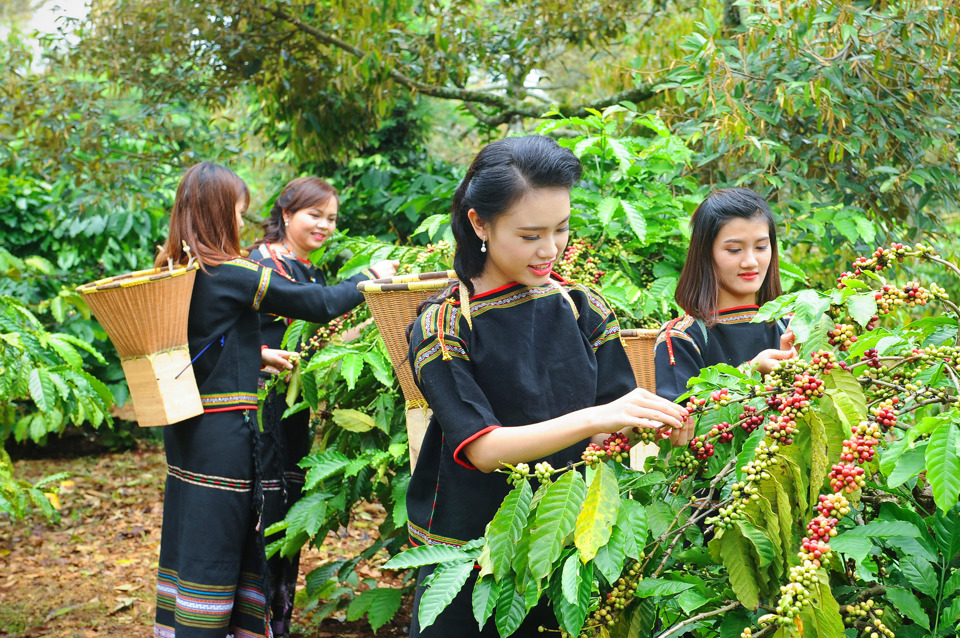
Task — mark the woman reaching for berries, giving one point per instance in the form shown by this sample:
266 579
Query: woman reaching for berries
303 217
731 270
212 579
517 364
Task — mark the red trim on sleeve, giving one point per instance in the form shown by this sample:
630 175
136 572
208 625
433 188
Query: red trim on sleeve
456 453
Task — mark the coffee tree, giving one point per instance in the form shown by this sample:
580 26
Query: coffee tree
820 500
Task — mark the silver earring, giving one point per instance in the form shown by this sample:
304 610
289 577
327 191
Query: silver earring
483 246
286 224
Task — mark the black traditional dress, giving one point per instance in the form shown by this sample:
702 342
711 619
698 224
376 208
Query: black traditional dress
286 441
211 579
529 357
686 345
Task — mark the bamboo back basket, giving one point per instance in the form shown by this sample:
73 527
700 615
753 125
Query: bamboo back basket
639 346
393 303
145 315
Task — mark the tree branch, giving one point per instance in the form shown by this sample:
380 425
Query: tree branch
707 614
508 108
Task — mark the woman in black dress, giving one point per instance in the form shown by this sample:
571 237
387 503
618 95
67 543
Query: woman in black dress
518 365
212 579
732 269
304 216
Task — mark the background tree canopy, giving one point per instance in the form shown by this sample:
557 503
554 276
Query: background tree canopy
844 115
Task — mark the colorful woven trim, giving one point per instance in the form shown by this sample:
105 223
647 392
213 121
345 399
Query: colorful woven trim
194 604
740 314
243 262
262 286
611 332
251 599
420 536
228 401
206 480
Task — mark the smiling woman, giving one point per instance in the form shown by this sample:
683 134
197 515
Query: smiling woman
303 217
731 270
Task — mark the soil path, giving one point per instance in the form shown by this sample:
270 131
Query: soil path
94 573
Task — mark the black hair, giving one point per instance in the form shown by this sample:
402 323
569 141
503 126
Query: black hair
699 286
501 174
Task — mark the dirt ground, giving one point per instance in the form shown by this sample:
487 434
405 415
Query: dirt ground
94 574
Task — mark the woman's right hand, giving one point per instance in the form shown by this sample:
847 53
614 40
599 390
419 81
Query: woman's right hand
767 359
640 408
275 361
384 269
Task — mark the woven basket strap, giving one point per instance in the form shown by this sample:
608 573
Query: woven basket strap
566 295
465 305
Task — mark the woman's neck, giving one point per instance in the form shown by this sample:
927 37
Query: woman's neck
286 248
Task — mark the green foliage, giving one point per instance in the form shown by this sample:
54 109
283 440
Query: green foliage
797 544
845 111
43 387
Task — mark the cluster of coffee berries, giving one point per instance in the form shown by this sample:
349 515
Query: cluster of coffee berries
795 594
842 336
647 435
675 487
847 477
578 265
884 413
686 461
823 360
742 492
814 546
614 447
860 447
701 448
518 474
593 455
749 419
883 258
441 251
328 331
543 471
868 617
620 595
947 353
723 432
781 428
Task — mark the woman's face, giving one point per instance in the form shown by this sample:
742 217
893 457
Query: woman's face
307 228
741 253
523 243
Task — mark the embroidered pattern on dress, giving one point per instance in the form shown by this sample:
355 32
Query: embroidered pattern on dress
434 351
611 332
229 400
677 331
745 316
250 596
243 263
206 480
202 606
262 287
